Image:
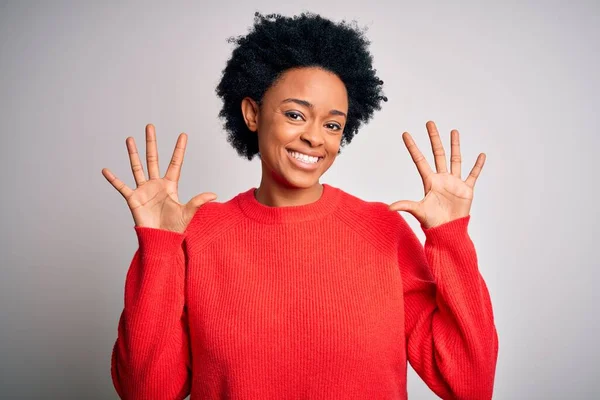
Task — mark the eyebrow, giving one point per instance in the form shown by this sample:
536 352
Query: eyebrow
310 105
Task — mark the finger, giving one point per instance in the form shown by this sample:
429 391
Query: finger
403 205
152 153
417 157
436 145
474 174
455 157
174 170
117 183
134 159
201 199
196 202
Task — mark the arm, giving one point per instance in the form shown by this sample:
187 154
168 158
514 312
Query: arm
151 358
452 341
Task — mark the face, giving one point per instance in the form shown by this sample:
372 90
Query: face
299 125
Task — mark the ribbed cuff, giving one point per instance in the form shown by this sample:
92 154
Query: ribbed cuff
450 233
451 252
158 242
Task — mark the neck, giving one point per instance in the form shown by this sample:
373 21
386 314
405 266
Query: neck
274 194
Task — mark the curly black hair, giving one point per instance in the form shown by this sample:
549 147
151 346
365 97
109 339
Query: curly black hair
277 43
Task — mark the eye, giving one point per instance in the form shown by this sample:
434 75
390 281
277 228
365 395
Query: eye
333 127
294 115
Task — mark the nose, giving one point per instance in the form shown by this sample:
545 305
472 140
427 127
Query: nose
313 135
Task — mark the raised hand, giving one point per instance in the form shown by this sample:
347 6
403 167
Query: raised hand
154 203
447 196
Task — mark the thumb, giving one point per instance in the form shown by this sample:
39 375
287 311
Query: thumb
199 200
404 205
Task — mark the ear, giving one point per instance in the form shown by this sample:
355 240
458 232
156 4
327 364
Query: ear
250 112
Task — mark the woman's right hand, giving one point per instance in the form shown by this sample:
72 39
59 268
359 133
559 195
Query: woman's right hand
154 202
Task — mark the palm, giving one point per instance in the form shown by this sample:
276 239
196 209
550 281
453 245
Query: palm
447 196
155 203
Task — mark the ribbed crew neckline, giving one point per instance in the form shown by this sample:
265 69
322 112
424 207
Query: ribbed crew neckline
324 206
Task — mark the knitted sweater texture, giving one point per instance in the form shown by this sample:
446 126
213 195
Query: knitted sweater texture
328 300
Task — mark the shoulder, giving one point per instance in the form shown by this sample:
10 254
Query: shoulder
212 220
373 220
376 213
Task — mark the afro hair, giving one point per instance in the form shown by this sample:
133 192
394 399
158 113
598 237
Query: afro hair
276 44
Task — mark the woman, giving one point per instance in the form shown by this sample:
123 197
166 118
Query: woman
297 289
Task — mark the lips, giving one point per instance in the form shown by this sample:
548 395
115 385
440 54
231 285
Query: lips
307 152
304 165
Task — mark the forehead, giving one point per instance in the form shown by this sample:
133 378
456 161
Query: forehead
317 86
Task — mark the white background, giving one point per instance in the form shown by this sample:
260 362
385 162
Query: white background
519 80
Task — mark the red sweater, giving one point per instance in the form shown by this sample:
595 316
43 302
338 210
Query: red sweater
322 301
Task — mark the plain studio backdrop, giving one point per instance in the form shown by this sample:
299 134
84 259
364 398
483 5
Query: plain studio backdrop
519 80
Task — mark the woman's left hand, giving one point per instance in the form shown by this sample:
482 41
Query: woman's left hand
447 196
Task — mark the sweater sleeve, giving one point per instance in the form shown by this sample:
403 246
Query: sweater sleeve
151 356
452 341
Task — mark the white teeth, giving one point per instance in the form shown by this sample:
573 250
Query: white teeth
303 157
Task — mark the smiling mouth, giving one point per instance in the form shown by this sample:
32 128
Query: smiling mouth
304 158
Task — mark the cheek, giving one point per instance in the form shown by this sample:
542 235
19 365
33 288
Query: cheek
272 141
278 133
333 144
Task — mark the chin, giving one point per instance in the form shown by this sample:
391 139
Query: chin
297 180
